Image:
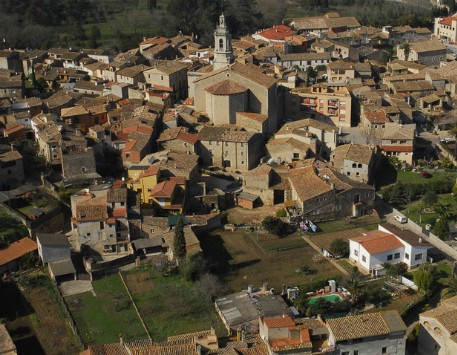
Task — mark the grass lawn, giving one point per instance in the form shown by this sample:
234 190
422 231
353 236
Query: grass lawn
170 305
416 178
342 224
101 318
244 258
428 216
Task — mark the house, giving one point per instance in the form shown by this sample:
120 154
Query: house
321 137
10 256
323 24
137 146
328 103
78 167
82 118
167 73
399 140
354 160
303 60
11 170
388 244
247 200
322 193
230 148
99 219
341 72
179 140
168 195
10 60
283 336
274 35
430 53
437 330
406 34
446 28
52 247
131 75
49 143
290 149
238 310
14 132
368 334
238 88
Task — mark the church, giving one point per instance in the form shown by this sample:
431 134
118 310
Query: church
232 88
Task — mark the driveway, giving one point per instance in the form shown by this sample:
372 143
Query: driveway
70 288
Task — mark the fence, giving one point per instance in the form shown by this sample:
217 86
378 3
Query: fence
67 312
407 282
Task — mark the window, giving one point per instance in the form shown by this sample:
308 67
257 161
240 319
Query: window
360 166
88 234
348 173
345 353
384 350
364 258
357 174
152 229
356 252
354 165
418 256
389 257
356 352
406 256
397 256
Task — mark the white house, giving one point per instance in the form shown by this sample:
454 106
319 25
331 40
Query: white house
388 244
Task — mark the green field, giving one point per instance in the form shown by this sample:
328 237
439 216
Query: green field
103 317
427 215
416 178
171 305
11 228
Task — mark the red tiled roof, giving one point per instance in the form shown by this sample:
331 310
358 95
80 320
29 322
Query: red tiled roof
188 137
129 145
376 116
226 87
163 189
277 32
447 21
87 213
180 180
150 171
16 250
111 220
376 242
278 322
162 87
142 129
15 128
397 148
120 212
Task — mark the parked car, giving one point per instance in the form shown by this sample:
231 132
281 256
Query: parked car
401 219
426 175
447 140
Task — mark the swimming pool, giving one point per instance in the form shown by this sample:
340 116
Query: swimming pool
331 298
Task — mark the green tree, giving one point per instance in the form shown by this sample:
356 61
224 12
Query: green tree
179 242
274 225
450 288
340 247
430 198
424 278
394 270
94 36
354 285
441 228
443 209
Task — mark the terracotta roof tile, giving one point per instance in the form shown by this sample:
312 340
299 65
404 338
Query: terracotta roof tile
16 250
375 242
226 87
163 189
279 322
358 326
277 33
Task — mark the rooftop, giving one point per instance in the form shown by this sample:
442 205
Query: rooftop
16 250
375 242
53 239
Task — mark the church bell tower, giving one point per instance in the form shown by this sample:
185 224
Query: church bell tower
222 45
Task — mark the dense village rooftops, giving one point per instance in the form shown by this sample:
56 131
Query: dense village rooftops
16 250
294 143
117 195
167 66
132 72
278 322
329 21
164 189
290 127
304 191
377 241
341 65
155 40
226 87
73 111
306 56
366 325
376 116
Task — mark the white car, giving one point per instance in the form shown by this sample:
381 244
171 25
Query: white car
401 219
447 140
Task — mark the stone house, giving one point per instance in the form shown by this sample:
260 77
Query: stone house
131 75
170 74
12 86
10 60
304 60
321 137
260 182
368 334
330 103
179 140
230 148
429 53
252 122
11 170
138 145
328 195
446 28
49 143
399 140
437 331
238 88
289 149
83 118
322 24
354 160
142 179
340 72
79 167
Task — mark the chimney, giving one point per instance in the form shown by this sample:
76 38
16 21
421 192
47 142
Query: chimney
420 240
265 286
121 340
238 334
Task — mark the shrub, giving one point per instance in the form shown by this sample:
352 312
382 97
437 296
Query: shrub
340 247
281 213
274 226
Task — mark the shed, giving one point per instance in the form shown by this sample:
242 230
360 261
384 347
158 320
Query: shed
247 200
148 246
53 246
62 270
